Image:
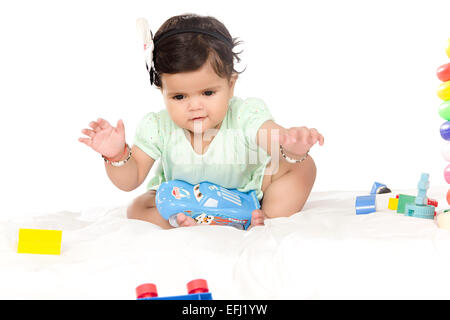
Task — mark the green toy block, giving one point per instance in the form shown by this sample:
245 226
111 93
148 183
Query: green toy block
403 200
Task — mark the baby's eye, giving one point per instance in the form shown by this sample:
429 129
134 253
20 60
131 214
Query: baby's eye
178 97
208 93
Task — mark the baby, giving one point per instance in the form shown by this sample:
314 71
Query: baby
205 133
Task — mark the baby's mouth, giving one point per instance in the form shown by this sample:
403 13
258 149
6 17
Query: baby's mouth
198 118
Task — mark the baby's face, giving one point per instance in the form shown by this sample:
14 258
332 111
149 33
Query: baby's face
197 100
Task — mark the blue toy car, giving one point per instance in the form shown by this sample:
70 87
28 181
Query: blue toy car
207 203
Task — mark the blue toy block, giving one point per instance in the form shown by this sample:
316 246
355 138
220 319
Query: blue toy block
376 186
365 204
379 188
194 296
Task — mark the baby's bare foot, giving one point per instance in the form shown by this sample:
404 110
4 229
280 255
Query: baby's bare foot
185 221
257 218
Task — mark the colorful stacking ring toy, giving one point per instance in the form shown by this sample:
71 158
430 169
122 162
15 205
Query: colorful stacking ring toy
443 92
443 72
447 173
444 110
445 130
448 48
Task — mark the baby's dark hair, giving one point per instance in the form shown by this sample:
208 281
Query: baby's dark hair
186 52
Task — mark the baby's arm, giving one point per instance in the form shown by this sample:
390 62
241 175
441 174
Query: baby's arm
289 184
131 175
296 141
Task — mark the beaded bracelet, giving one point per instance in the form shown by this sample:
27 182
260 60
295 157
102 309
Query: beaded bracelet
122 162
290 160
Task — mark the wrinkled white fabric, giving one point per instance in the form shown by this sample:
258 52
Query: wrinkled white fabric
324 252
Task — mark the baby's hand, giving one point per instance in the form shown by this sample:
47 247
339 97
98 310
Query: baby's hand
104 138
298 140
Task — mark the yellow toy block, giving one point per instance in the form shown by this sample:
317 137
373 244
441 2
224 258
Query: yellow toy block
393 203
39 241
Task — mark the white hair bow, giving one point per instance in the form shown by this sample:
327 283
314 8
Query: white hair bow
146 34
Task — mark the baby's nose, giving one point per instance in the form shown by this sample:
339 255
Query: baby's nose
195 104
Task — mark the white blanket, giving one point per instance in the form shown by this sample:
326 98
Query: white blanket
324 252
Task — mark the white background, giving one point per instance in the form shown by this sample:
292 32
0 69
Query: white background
362 72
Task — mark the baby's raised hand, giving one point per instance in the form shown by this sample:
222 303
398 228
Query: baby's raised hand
298 140
104 138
